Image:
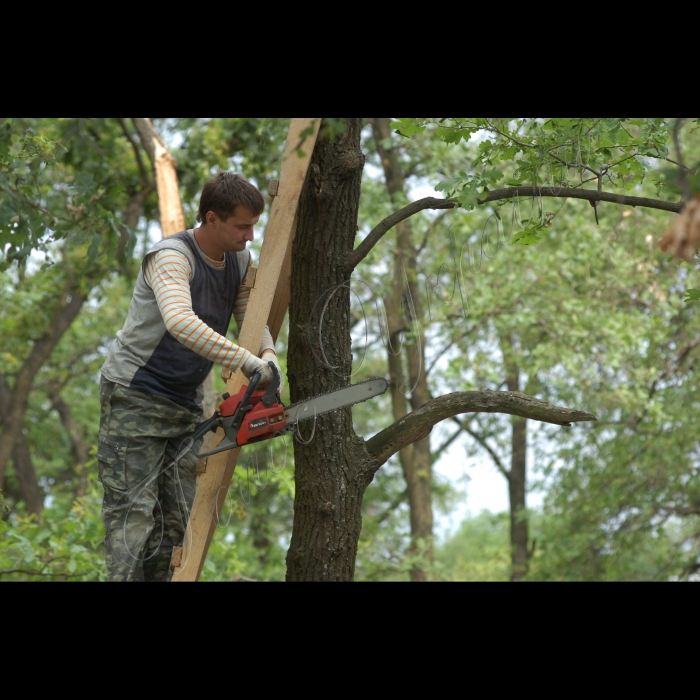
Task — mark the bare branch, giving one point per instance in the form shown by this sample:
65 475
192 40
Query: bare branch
419 424
481 439
435 456
148 136
365 248
145 178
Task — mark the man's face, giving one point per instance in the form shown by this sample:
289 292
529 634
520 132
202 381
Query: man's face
234 234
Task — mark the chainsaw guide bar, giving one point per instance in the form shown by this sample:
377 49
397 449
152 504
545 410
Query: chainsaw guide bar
254 416
336 400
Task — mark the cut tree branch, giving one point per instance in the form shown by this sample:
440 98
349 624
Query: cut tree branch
419 424
172 217
592 196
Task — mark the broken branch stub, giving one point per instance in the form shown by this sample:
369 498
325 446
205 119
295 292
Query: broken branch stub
682 239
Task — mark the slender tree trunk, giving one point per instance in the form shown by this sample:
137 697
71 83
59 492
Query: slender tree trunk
81 453
68 309
29 490
334 469
416 460
517 477
517 488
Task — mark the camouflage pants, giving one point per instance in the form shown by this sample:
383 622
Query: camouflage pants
147 496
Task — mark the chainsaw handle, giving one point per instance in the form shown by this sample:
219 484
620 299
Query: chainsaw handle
208 426
270 398
254 381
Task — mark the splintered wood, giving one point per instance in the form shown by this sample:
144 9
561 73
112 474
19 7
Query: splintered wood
172 216
682 240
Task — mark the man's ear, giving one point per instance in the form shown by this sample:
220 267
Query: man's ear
211 218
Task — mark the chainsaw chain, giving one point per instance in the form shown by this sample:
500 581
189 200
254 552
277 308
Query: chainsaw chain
327 413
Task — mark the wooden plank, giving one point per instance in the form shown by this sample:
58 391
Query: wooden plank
250 278
283 293
214 483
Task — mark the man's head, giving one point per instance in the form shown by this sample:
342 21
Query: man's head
228 210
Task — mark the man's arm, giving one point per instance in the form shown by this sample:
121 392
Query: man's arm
168 273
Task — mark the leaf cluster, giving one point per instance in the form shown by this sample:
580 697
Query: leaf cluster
553 152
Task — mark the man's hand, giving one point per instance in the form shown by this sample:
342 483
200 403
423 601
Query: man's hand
254 364
269 356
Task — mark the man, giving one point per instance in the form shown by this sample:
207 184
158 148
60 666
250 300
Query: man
189 287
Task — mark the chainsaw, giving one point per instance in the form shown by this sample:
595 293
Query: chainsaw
253 416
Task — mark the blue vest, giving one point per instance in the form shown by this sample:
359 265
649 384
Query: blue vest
173 370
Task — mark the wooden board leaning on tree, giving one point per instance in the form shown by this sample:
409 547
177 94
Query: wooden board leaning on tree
268 304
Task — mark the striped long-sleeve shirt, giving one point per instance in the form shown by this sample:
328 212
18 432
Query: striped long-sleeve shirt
179 315
169 274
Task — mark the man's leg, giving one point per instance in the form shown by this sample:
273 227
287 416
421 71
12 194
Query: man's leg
129 464
140 434
130 456
178 484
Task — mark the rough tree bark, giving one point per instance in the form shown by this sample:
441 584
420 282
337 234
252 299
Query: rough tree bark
334 469
416 460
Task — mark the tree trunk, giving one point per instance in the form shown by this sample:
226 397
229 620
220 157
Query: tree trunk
517 488
334 469
68 309
81 453
29 490
404 307
517 476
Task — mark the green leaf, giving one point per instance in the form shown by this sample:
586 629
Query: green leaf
529 236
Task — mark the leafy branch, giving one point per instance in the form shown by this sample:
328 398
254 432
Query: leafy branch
551 152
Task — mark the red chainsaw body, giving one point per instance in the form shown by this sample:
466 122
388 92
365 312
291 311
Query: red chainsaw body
259 424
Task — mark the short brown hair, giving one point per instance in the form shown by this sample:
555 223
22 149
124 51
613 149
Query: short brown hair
226 192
